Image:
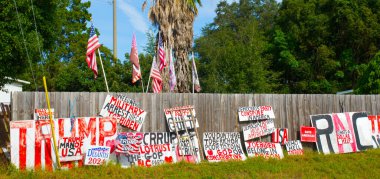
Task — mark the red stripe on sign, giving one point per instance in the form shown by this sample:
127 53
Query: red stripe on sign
37 154
48 155
22 148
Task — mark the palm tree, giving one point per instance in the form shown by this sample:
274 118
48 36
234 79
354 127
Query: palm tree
174 19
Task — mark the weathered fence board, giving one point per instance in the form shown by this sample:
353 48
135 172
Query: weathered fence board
215 112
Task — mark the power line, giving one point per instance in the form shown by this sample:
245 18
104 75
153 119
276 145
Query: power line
26 49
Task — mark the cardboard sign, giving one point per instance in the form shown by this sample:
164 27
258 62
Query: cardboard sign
294 147
222 146
342 132
125 113
258 129
42 114
183 148
97 155
129 142
264 149
255 113
70 148
182 113
280 135
32 144
155 149
308 134
375 126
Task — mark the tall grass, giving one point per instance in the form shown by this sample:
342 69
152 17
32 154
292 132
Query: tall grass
310 165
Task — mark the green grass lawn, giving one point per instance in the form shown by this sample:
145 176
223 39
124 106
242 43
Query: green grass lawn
311 165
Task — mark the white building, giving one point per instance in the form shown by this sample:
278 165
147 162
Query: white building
5 93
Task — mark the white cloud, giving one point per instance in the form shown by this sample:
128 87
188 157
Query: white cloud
134 16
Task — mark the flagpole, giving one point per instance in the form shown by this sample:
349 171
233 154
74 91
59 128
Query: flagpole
142 83
104 74
192 67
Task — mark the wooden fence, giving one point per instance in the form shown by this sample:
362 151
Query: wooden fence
215 112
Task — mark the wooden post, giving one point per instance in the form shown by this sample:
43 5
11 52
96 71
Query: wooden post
52 124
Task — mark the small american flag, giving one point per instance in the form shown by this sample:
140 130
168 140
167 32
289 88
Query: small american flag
92 45
156 78
161 53
136 73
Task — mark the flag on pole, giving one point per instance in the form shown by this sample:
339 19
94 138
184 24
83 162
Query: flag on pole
172 77
136 73
156 78
92 45
197 85
161 53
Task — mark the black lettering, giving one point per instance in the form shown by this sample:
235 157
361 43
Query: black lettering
329 130
355 118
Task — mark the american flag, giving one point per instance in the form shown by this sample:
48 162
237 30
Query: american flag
92 45
156 78
136 73
129 142
161 53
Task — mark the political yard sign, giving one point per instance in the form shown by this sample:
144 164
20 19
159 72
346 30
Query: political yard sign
308 134
220 146
264 149
97 155
42 114
280 135
126 113
255 113
70 148
181 117
342 132
258 129
294 147
375 130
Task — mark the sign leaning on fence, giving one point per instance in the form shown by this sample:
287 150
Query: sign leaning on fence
375 126
222 146
308 134
129 142
42 114
183 148
280 135
255 113
181 117
97 155
32 144
127 114
155 149
258 129
294 147
264 149
342 132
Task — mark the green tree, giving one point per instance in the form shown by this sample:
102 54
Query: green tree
231 58
369 81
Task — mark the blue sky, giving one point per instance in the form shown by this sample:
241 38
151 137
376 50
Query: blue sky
131 19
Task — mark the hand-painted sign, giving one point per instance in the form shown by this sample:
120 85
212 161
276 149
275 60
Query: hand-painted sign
97 155
222 146
70 148
255 113
183 148
32 144
179 117
342 132
129 142
258 129
375 126
294 147
280 135
128 115
155 149
308 134
42 114
264 149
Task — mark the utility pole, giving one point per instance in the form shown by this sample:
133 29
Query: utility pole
114 32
